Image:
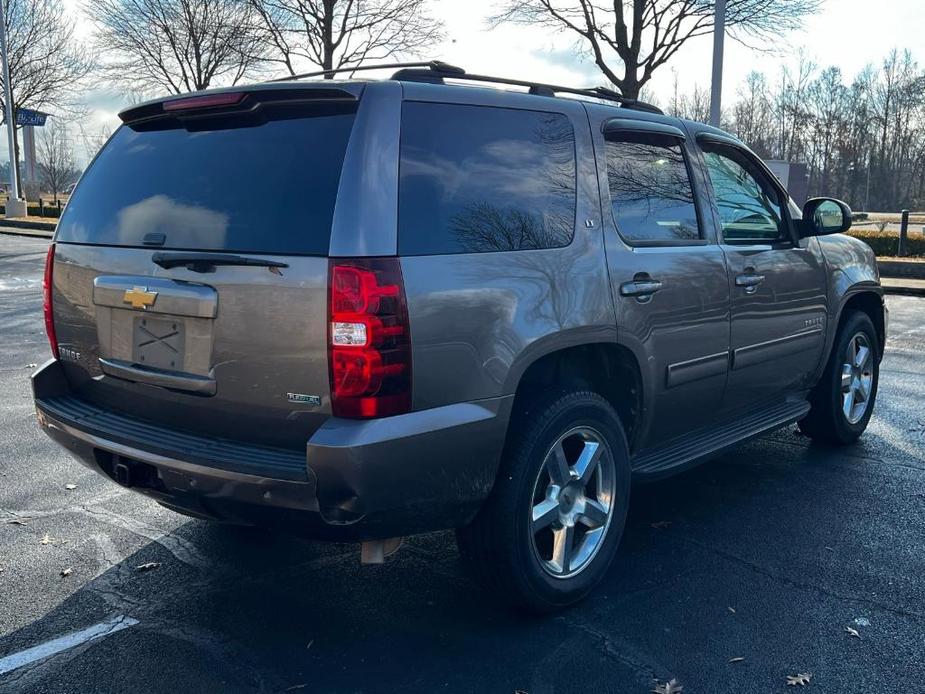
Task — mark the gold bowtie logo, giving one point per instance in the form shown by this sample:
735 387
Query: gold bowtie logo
139 297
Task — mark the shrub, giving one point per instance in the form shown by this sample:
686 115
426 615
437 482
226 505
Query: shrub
36 211
886 243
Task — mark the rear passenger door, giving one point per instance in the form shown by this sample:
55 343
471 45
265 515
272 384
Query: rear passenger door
777 281
667 274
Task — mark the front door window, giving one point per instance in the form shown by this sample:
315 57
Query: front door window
749 206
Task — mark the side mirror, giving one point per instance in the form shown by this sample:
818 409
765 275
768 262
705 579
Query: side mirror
822 216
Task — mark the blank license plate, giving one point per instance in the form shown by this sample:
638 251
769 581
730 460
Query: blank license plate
158 343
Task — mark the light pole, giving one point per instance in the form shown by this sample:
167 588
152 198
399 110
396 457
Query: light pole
716 89
15 206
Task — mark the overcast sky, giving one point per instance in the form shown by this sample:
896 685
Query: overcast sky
846 33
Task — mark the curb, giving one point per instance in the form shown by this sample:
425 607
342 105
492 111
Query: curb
901 269
27 224
30 233
905 291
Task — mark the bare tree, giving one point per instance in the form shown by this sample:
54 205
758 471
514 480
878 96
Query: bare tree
45 59
643 35
752 114
46 62
863 140
792 110
333 34
898 111
176 45
695 105
830 108
93 141
56 164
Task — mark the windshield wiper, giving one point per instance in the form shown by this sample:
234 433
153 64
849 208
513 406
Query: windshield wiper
207 262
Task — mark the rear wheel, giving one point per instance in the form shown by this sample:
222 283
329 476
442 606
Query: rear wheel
550 528
843 400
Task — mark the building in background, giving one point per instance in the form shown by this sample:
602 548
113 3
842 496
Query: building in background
794 176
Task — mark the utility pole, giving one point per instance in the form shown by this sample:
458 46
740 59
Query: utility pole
716 89
15 206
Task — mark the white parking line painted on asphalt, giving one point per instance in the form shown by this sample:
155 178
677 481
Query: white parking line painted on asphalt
63 643
20 283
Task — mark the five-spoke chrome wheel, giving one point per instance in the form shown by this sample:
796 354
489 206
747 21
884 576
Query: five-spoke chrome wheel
573 502
857 378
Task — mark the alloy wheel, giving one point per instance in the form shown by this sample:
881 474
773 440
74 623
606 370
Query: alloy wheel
857 378
573 502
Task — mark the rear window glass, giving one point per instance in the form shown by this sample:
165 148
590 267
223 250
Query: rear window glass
268 187
479 179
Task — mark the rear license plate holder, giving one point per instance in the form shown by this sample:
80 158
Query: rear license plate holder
159 343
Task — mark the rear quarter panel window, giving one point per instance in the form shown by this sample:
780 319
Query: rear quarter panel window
481 179
266 188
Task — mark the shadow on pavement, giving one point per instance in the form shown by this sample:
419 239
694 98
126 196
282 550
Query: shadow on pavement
767 553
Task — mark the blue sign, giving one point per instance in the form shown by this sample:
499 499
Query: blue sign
26 116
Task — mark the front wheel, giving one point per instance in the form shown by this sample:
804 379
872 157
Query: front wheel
843 400
550 528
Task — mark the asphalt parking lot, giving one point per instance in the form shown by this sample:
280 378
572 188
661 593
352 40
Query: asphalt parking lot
730 577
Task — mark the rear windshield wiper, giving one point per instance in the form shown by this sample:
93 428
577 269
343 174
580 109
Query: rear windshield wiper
207 262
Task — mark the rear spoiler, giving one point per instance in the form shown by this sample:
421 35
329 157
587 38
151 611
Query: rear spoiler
230 101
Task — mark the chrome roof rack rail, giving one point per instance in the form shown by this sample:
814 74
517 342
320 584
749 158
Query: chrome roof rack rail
435 65
437 74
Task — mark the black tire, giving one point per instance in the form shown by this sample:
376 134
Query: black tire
827 421
500 545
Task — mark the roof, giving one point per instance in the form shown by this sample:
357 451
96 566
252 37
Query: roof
430 72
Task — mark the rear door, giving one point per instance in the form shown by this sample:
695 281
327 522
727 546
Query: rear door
668 275
191 266
777 281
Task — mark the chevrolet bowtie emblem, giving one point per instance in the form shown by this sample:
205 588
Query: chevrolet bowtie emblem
139 297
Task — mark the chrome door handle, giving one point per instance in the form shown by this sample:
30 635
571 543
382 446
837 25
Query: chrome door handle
750 282
640 288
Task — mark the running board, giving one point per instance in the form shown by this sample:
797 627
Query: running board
691 449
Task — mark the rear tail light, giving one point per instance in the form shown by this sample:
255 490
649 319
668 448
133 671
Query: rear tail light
369 339
47 308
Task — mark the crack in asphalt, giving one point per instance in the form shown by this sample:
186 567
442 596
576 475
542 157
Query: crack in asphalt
808 446
646 671
183 550
803 585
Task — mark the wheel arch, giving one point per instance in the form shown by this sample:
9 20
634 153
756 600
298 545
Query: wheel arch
867 300
607 368
866 297
871 303
854 284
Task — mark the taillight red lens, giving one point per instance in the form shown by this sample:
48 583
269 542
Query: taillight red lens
47 308
369 338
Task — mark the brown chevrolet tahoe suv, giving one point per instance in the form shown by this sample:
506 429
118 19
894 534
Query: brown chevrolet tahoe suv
359 310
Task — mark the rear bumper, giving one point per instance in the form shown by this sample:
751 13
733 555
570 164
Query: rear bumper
426 470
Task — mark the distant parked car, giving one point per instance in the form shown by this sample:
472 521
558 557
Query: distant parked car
441 306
